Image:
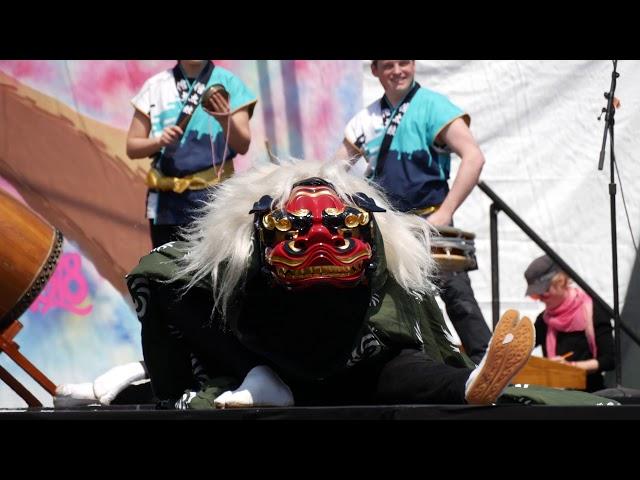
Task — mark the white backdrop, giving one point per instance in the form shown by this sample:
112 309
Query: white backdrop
535 121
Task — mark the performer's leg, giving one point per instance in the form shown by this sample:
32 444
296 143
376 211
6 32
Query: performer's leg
355 386
135 394
161 234
176 328
166 357
413 377
464 313
219 352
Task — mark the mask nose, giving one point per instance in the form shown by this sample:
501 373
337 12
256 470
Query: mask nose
318 233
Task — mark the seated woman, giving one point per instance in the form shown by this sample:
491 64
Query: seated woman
571 329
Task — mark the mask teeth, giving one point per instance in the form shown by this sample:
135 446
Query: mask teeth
331 270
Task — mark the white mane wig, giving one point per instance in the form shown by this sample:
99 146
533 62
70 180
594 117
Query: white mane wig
223 234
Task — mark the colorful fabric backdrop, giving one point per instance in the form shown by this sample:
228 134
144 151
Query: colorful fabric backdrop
62 152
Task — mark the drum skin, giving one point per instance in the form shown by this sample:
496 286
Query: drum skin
206 96
29 251
454 250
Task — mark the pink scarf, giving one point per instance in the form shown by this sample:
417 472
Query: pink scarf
574 314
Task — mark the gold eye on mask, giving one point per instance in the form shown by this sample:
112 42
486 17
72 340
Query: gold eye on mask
332 211
351 220
283 224
363 218
300 213
268 222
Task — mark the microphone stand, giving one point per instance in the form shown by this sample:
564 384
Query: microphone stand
609 121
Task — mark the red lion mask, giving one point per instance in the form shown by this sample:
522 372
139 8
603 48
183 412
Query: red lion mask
315 239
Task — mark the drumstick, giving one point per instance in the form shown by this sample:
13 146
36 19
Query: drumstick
567 355
272 157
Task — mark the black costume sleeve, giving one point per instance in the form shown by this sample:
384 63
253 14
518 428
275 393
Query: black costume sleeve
541 331
604 338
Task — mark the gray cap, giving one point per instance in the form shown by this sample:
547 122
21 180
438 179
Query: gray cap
539 275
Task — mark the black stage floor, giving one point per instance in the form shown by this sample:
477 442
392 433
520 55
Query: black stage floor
350 413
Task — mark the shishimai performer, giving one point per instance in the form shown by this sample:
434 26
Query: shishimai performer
299 284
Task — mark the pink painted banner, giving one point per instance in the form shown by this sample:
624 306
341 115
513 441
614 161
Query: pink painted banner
67 288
